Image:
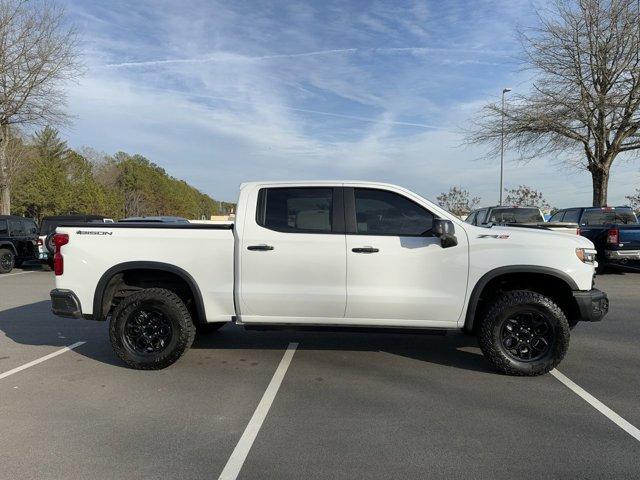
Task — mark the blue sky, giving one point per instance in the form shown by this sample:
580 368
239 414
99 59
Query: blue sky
224 92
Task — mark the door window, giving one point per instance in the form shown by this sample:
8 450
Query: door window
3 227
571 216
379 212
480 219
472 218
296 210
557 217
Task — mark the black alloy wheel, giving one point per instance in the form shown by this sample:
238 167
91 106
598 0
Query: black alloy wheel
527 336
7 260
147 330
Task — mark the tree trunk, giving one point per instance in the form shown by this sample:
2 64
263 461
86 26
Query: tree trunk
5 200
600 178
5 181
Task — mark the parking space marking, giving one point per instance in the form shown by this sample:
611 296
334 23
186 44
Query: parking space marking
236 460
12 274
40 360
597 404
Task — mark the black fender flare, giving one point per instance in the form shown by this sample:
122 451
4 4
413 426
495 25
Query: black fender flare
9 246
474 298
106 277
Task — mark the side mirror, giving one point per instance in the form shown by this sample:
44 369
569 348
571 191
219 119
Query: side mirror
445 231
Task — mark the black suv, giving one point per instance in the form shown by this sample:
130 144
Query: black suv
18 241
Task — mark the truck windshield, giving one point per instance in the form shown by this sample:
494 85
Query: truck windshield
604 217
515 215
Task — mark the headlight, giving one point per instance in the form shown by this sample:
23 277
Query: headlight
586 255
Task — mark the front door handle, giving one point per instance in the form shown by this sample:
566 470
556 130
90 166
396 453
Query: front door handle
260 248
365 250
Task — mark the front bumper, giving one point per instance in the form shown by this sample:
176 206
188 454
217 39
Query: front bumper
65 303
593 304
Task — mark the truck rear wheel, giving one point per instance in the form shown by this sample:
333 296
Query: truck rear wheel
524 333
7 260
151 329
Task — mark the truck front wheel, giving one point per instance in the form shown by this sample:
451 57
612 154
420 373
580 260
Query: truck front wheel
151 329
524 333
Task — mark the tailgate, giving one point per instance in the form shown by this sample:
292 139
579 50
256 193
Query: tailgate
629 237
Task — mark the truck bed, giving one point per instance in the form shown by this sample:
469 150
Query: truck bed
200 252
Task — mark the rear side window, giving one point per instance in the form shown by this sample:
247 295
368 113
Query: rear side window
605 217
3 227
17 228
379 212
302 210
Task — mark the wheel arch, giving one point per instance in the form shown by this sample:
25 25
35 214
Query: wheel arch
525 272
105 289
9 246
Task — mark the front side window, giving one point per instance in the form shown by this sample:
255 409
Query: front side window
572 216
471 218
302 210
556 217
3 227
380 212
480 219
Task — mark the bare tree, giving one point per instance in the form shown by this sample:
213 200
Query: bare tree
525 196
634 200
585 102
134 203
458 201
38 55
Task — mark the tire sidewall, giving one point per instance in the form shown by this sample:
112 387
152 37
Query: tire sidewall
177 314
5 252
511 303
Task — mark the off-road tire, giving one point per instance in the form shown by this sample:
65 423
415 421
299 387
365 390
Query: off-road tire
509 304
7 260
183 329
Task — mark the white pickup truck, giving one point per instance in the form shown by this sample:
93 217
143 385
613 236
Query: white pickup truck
329 255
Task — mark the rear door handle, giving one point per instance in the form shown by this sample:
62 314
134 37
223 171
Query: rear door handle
260 248
365 250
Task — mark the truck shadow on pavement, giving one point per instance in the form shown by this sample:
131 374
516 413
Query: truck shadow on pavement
34 324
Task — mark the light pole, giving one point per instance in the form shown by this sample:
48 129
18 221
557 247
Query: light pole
504 90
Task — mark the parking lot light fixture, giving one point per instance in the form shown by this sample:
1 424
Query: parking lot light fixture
504 90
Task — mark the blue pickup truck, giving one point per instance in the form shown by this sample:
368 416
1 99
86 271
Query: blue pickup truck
614 231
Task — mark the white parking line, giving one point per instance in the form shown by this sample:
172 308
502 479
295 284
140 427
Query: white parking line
598 405
239 455
17 273
40 360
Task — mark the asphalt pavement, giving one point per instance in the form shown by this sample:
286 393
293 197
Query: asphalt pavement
347 406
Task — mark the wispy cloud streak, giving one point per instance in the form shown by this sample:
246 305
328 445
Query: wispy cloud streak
226 56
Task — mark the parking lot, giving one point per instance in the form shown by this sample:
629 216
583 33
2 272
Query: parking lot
350 405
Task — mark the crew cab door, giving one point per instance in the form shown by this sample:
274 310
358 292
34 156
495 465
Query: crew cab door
292 261
396 269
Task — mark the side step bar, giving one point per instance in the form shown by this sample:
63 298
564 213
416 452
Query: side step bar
338 328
